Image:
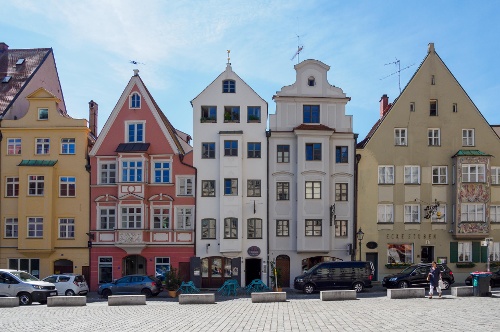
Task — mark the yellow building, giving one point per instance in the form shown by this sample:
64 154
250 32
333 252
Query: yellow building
429 178
45 189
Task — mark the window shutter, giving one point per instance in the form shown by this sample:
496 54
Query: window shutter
476 252
453 252
484 254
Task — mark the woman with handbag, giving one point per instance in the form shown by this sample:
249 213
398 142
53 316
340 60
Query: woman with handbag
434 277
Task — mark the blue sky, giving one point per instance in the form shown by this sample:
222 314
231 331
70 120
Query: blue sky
183 47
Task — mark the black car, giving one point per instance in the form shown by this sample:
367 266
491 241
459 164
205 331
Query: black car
495 277
416 275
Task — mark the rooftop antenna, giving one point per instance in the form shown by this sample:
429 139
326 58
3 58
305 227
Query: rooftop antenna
299 47
228 58
398 65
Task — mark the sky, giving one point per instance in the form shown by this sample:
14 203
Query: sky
181 47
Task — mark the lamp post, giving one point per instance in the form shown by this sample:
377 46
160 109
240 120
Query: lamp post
360 235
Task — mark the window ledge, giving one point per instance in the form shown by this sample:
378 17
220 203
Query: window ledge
385 223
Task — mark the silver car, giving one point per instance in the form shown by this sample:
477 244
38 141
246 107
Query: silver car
69 284
25 286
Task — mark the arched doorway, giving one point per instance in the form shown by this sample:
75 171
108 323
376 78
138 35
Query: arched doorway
283 263
134 264
63 266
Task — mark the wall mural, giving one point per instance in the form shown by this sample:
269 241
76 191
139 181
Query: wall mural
473 227
474 192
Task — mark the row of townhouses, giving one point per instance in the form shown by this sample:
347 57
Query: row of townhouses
293 188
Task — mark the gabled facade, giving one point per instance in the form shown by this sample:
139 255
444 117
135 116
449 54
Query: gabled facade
45 189
142 191
311 173
429 178
230 157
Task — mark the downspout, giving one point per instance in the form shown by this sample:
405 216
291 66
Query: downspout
357 158
181 158
268 134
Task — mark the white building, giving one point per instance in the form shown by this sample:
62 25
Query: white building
231 203
311 173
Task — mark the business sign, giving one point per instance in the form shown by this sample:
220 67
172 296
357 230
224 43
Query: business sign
253 251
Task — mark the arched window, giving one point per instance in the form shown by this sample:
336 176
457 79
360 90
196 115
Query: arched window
228 86
135 100
311 81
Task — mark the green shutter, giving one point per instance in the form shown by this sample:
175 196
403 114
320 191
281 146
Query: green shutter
484 254
476 252
453 252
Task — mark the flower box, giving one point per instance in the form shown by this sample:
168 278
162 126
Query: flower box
397 265
465 265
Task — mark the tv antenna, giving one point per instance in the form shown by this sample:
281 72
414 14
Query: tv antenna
299 47
398 65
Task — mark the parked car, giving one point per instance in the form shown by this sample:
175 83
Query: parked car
132 284
69 284
495 277
416 275
25 286
330 275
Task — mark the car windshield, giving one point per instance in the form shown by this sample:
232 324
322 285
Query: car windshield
24 276
408 269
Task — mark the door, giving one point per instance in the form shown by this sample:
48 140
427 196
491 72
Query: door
252 269
134 264
427 254
283 265
373 257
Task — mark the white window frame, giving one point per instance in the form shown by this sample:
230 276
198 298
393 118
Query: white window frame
472 212
161 165
185 185
66 228
184 218
386 174
37 230
67 144
494 251
39 185
133 103
135 138
11 230
385 213
12 181
138 170
434 136
14 146
464 252
495 175
42 145
412 174
473 173
106 174
467 137
109 225
138 216
439 174
401 136
161 217
412 213
441 210
67 182
495 213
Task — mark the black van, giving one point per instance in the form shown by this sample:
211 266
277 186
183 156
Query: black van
330 275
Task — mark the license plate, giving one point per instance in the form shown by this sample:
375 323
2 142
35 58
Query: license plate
53 293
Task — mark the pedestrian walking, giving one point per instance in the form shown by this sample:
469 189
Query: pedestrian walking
434 277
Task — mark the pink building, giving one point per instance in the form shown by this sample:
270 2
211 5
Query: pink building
142 191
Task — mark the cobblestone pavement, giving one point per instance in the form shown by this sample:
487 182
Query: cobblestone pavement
372 311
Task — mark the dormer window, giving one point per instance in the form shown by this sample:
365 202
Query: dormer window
6 79
228 86
311 81
43 114
20 62
135 100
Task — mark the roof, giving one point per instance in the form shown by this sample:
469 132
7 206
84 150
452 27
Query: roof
29 162
462 153
20 72
313 127
132 147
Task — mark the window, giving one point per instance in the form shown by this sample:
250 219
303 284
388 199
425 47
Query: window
43 114
310 113
412 107
230 228
231 148
12 187
341 154
433 108
105 270
132 171
131 217
208 228
135 100
283 153
468 137
433 80
341 192
473 173
434 137
231 187
495 175
107 172
439 174
495 213
253 114
465 251
231 114
386 175
254 228
440 215
13 146
35 227
208 150
412 174
11 227
399 253
228 86
253 188
282 191
254 150
313 151
184 186
161 217
67 186
385 213
412 213
31 265
162 266
68 146
66 228
455 108
313 189
311 81
472 212
135 132
494 250
107 216
313 227
35 185
282 228
209 113
400 136
184 218
208 188
340 228
42 145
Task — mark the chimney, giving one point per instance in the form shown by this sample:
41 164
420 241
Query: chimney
430 48
384 105
93 108
3 47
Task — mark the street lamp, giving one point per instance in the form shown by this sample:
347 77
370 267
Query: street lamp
360 235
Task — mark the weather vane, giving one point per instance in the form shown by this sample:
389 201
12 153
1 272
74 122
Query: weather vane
136 62
228 58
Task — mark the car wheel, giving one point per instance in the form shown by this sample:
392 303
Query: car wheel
25 299
147 292
69 292
358 287
106 293
309 288
403 284
446 284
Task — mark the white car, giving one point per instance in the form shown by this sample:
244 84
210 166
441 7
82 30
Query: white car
69 284
25 286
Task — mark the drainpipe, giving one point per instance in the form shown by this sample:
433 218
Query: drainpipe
268 135
357 159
